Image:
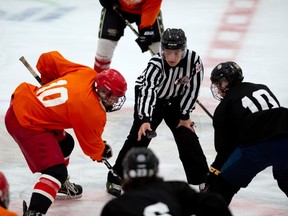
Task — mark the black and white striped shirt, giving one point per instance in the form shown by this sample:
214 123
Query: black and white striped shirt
159 80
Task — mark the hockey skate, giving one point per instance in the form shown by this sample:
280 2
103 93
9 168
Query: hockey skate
113 185
69 191
29 212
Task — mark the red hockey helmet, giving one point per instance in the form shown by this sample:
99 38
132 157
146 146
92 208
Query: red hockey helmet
109 83
4 191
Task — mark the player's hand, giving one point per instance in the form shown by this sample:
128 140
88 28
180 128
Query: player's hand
145 38
188 124
107 153
145 127
211 178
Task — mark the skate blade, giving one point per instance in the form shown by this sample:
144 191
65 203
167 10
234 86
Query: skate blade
61 196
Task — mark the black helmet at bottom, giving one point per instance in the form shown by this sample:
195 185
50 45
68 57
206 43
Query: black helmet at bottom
140 162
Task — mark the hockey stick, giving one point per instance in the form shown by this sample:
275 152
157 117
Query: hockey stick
115 8
30 69
204 108
110 168
149 135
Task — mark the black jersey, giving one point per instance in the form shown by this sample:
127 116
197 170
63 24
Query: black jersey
160 81
165 198
248 114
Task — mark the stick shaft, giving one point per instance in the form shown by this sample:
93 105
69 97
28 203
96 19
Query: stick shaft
204 108
110 168
30 69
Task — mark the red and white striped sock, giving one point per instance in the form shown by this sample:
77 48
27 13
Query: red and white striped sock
47 186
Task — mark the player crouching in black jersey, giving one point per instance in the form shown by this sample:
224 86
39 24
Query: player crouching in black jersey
145 193
251 133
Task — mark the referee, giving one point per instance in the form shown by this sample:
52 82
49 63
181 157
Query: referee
167 89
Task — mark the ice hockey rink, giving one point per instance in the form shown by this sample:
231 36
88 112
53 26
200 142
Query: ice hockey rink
251 32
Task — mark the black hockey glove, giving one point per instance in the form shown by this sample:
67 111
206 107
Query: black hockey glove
107 153
108 4
211 178
145 38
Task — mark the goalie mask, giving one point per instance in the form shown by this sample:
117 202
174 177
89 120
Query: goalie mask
224 76
140 162
111 87
4 191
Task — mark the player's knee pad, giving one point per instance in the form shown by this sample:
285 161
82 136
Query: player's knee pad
67 145
58 171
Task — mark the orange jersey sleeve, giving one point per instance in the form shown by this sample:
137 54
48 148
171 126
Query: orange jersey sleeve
6 212
148 9
69 101
52 65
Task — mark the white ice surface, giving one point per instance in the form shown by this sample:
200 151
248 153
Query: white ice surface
30 27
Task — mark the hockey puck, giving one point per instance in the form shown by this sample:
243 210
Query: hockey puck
151 134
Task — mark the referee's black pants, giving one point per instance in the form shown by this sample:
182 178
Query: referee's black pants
190 151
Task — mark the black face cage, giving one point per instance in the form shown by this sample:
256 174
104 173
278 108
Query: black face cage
214 90
116 106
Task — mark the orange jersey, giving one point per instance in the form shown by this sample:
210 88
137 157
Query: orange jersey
6 212
66 100
148 9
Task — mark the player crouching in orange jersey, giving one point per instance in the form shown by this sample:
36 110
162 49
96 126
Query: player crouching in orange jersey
72 96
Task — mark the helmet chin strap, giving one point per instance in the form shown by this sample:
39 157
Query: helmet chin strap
101 101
